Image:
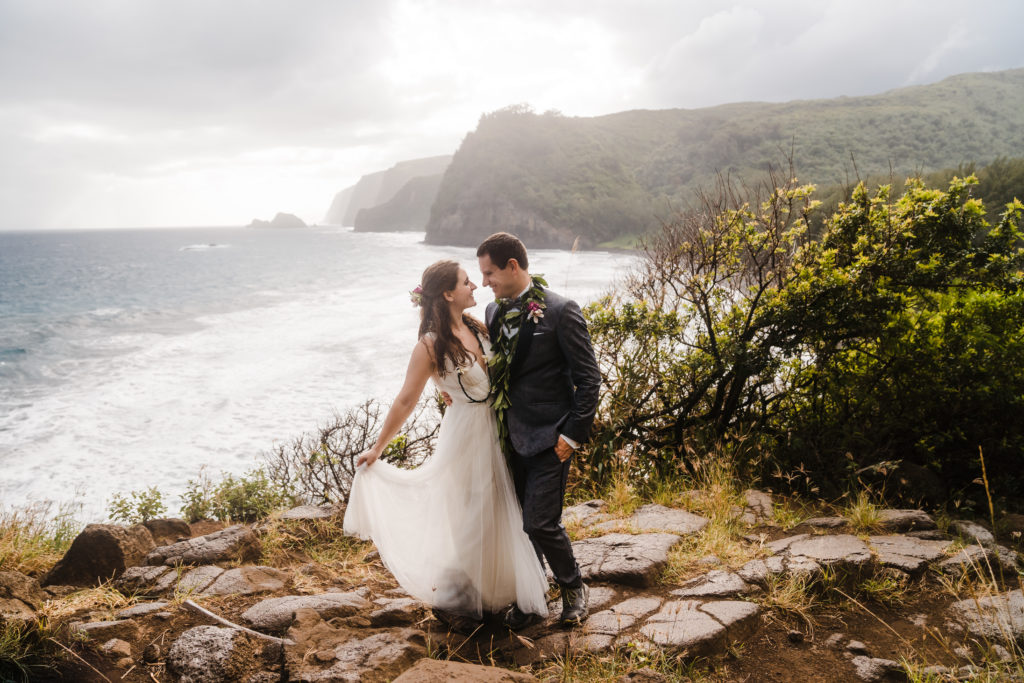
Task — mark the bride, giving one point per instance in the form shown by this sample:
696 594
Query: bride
450 531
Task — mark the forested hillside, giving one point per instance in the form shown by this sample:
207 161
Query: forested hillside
607 179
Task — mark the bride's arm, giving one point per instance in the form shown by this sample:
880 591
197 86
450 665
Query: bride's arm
421 367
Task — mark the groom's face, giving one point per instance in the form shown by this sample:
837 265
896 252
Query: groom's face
504 282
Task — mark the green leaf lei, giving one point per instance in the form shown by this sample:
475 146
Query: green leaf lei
505 348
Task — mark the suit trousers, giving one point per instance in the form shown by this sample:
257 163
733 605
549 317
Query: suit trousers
540 483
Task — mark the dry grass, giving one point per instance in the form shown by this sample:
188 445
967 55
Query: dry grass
863 514
35 537
103 599
340 559
580 666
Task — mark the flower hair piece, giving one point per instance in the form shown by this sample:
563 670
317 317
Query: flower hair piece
416 296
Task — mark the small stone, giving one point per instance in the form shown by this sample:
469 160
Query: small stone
141 609
124 663
875 669
795 636
857 647
835 640
151 653
325 656
118 647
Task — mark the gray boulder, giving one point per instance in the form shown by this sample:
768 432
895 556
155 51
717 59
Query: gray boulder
586 514
235 543
759 508
873 669
825 522
203 655
100 553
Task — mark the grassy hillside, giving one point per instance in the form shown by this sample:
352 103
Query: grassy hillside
612 176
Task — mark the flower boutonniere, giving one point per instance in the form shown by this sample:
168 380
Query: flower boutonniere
535 310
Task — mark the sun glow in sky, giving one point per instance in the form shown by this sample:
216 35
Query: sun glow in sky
120 113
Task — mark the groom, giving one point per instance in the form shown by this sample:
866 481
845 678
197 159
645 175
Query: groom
553 391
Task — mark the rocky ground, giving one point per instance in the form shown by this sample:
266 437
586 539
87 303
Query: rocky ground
814 602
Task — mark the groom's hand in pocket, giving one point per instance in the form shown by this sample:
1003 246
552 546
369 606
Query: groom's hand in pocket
563 450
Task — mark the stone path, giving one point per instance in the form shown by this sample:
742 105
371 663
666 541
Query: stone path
360 635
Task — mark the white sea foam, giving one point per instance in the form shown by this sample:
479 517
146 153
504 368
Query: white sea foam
145 407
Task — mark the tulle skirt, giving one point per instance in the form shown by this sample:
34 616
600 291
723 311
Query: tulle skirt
450 531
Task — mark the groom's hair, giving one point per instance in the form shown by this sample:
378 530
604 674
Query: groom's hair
500 247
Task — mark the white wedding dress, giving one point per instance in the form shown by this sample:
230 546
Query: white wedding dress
450 531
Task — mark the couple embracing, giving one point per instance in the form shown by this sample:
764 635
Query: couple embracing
468 531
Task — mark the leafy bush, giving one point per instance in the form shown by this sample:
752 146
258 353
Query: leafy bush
318 467
138 507
896 336
247 498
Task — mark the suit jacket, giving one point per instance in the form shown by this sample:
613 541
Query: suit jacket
554 381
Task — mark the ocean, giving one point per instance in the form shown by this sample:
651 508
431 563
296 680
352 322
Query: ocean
134 358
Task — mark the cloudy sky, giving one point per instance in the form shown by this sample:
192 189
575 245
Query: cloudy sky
120 113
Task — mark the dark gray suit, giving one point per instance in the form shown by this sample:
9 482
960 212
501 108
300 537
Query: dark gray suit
553 390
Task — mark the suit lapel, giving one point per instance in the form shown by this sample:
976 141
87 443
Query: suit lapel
493 325
523 346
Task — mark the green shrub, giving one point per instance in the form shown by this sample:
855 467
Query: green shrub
138 507
247 498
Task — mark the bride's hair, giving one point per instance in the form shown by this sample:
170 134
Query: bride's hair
436 316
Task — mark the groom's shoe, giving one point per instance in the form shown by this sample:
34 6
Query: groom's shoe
516 619
574 604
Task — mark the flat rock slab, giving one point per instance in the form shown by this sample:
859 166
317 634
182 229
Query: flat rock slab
825 522
137 578
716 583
246 581
973 532
873 669
838 550
142 609
700 628
396 612
236 543
621 617
433 670
586 514
905 520
906 552
972 558
321 652
305 513
624 558
658 518
276 613
759 508
993 618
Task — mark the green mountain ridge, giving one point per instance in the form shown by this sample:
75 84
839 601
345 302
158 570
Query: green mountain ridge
551 178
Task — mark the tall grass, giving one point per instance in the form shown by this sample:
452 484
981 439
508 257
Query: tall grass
33 538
